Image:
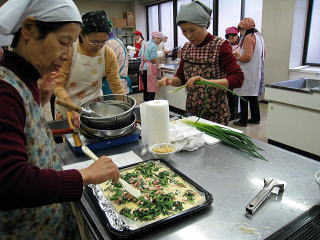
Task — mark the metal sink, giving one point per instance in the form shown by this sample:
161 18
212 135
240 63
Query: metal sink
301 85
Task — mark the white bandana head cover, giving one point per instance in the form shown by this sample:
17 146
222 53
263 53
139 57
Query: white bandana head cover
13 12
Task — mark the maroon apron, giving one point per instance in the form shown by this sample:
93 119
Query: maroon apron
203 61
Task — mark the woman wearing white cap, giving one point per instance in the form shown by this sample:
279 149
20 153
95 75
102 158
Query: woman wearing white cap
207 58
32 184
149 66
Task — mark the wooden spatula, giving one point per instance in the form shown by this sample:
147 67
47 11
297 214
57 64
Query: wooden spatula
130 189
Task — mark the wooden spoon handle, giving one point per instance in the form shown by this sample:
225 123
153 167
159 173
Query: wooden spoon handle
69 106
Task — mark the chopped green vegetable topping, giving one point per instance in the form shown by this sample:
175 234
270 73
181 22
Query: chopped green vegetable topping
190 195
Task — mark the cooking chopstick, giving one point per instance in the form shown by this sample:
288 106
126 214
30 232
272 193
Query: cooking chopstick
132 190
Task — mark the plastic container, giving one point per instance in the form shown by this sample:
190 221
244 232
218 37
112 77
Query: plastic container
164 151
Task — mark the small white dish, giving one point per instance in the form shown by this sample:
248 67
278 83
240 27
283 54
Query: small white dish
163 151
317 176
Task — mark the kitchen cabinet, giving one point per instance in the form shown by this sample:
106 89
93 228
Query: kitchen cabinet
294 114
293 126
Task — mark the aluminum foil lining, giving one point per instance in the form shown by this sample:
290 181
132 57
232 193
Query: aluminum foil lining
113 217
122 223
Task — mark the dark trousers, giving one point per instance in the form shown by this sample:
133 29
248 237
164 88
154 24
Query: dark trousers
233 106
254 109
147 96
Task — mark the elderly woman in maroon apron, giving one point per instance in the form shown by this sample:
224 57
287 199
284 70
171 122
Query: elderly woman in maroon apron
207 58
149 66
35 192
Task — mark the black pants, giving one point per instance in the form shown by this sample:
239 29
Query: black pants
254 109
147 96
233 106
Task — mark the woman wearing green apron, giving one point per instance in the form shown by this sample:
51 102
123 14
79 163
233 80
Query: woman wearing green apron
35 194
207 58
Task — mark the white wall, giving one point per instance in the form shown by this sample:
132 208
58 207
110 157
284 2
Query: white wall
114 9
277 24
141 20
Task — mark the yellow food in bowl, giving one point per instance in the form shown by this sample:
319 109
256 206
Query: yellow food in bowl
164 149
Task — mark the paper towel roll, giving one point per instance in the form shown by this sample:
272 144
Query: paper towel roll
155 122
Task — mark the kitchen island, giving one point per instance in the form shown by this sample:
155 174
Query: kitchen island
233 179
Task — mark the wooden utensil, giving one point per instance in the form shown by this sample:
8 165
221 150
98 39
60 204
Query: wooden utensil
75 134
130 189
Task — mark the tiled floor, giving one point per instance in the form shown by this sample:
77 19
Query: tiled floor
256 131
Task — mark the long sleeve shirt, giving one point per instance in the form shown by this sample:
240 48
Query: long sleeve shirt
21 184
149 52
111 68
249 43
227 60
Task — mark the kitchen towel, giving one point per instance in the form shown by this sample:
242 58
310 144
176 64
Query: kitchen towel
185 137
154 122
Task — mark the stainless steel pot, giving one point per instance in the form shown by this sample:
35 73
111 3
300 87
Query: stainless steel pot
110 133
117 109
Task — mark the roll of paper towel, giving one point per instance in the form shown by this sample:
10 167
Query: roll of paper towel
155 122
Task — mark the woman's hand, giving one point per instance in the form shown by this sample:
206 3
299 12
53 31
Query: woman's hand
191 81
75 119
166 81
236 54
100 171
46 83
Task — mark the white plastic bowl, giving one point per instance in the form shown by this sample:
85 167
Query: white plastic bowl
159 155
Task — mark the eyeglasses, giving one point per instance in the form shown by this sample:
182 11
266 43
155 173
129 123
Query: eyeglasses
96 42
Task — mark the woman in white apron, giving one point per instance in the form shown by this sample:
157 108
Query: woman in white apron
251 61
91 61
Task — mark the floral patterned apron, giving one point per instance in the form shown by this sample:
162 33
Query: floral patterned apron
204 61
85 79
54 221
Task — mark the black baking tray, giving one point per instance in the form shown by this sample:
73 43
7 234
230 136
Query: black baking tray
127 233
304 227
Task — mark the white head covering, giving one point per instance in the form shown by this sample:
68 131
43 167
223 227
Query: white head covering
13 12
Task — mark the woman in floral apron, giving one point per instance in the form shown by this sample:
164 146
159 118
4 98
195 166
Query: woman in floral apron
91 61
149 66
207 58
34 191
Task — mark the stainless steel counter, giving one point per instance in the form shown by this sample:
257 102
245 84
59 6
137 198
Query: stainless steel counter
233 179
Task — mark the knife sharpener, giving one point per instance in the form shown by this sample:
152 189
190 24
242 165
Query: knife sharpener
269 184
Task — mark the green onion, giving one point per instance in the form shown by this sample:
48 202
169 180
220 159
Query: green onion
206 83
234 139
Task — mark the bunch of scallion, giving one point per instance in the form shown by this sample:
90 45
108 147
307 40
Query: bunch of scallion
206 84
234 139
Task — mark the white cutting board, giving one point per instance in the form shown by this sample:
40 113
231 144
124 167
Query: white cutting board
208 139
